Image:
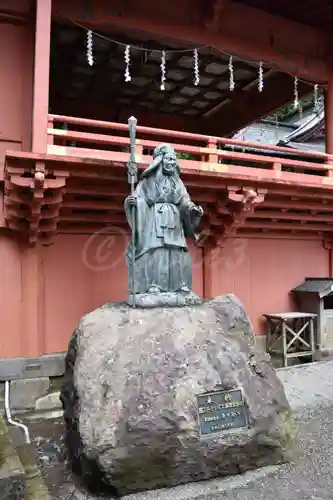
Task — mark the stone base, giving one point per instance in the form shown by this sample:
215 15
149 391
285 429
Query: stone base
169 299
130 397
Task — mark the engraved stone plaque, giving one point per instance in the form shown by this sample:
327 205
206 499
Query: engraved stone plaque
221 411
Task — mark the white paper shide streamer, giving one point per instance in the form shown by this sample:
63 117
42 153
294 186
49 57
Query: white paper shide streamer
163 70
196 69
231 75
296 97
196 80
261 77
90 55
315 97
127 57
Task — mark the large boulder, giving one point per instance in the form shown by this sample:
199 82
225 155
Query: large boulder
130 397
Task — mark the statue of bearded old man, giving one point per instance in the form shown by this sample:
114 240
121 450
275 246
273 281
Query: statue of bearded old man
164 217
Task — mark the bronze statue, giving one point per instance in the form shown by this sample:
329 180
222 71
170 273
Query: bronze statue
164 217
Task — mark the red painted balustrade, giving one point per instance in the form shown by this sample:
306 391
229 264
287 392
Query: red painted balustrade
80 183
93 139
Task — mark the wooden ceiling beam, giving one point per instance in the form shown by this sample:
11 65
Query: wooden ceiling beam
293 47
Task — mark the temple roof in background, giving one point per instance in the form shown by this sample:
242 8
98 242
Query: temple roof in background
305 132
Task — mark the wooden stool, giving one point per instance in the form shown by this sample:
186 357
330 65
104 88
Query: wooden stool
294 331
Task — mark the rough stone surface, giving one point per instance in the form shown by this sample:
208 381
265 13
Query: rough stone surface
129 396
24 393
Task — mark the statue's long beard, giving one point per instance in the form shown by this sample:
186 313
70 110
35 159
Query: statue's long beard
168 181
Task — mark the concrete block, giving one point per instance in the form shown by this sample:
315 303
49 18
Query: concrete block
49 402
24 393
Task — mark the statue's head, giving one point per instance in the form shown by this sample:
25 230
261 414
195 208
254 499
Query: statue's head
169 163
164 155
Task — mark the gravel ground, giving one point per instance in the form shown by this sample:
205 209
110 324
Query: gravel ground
310 391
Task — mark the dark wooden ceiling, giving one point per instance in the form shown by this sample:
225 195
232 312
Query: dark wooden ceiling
73 80
318 14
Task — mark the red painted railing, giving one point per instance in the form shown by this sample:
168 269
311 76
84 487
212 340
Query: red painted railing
80 137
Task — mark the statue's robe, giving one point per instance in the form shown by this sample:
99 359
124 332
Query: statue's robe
163 219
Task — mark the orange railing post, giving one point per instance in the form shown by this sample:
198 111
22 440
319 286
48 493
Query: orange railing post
50 136
212 144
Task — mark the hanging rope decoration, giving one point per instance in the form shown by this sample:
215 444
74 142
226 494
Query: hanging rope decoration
276 128
231 75
196 70
261 77
297 104
315 97
296 96
127 57
90 55
163 70
196 67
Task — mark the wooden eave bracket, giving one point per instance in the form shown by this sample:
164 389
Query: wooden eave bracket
244 204
31 213
328 242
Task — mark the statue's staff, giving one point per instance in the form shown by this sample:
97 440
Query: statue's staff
132 179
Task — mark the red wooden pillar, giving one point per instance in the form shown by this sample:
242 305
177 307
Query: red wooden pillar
32 279
32 303
41 75
211 272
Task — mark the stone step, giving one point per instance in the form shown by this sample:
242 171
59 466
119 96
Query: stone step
34 483
20 477
12 474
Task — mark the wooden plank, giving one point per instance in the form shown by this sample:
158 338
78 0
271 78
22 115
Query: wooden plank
289 227
235 173
49 365
101 218
93 205
262 214
297 205
116 229
300 194
267 234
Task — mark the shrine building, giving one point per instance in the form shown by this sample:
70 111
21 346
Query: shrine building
194 74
